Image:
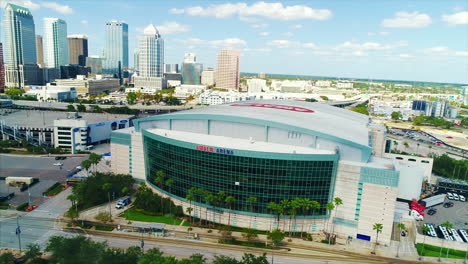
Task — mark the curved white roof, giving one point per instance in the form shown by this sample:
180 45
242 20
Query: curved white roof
318 117
150 30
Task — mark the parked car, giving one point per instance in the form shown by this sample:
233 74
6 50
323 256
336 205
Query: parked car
448 204
58 164
432 211
123 202
57 158
450 196
462 198
456 197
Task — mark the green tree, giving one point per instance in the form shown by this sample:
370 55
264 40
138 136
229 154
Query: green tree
103 217
402 228
330 207
131 98
81 108
406 145
190 197
74 250
276 236
337 201
448 226
33 251
86 164
14 92
249 234
94 159
311 100
425 230
314 205
275 209
71 108
7 258
396 115
160 180
152 256
108 187
378 229
325 98
229 201
251 201
72 213
285 205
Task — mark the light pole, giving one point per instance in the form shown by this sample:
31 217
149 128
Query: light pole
18 232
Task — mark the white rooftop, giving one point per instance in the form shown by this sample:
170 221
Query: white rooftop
235 143
318 117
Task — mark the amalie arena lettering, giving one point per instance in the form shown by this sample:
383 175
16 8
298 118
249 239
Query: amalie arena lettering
275 106
217 150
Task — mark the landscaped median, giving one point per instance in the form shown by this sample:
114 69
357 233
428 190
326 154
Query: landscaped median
434 251
55 189
143 216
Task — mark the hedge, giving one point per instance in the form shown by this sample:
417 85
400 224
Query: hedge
22 207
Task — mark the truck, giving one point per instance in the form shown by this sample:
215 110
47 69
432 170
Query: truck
417 207
434 200
121 203
416 215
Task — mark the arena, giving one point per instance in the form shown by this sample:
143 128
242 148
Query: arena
271 150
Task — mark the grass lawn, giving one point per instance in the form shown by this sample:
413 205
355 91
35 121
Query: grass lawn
132 215
104 228
433 251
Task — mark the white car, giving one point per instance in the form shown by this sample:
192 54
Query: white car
456 197
450 196
58 164
462 198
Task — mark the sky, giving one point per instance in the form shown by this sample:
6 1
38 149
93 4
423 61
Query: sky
386 39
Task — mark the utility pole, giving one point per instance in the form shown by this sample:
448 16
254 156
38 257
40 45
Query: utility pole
18 232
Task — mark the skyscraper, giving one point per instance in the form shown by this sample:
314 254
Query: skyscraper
228 69
77 49
191 73
40 51
2 70
20 47
151 60
94 63
116 50
190 58
136 59
55 42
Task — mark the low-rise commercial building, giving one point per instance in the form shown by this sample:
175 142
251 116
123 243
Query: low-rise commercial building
52 92
91 86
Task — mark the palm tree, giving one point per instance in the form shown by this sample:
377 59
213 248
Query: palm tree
406 145
447 225
94 159
284 206
337 202
107 187
190 198
251 201
425 230
209 199
160 175
229 201
86 164
378 228
315 206
294 205
169 184
402 227
306 204
73 198
200 193
275 209
221 197
329 207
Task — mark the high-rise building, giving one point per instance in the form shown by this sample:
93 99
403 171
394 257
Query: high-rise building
256 85
171 68
136 59
228 69
208 77
151 60
2 70
55 42
94 63
77 49
191 73
40 51
190 58
20 47
116 50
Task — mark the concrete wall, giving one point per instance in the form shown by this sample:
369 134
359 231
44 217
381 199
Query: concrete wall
138 169
120 159
420 162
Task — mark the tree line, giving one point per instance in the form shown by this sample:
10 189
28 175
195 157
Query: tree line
79 249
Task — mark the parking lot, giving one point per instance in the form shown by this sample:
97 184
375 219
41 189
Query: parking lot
457 215
37 167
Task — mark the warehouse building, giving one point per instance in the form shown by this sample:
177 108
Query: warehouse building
271 150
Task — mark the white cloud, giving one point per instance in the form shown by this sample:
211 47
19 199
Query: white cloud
286 44
26 3
288 34
296 26
384 33
84 22
62 9
460 18
264 34
370 46
408 20
172 28
260 25
275 11
405 56
381 33
234 43
443 51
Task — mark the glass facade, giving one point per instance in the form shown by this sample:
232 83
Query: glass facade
269 180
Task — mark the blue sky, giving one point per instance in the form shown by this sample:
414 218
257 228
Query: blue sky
385 39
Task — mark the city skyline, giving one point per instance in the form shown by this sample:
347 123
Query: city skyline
388 40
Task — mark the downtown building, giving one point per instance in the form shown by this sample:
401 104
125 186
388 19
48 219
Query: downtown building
116 50
77 49
272 150
40 51
55 48
150 60
21 67
228 70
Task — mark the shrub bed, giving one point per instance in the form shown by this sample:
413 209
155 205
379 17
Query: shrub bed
104 228
22 207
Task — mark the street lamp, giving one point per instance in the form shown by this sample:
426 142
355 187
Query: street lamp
18 232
